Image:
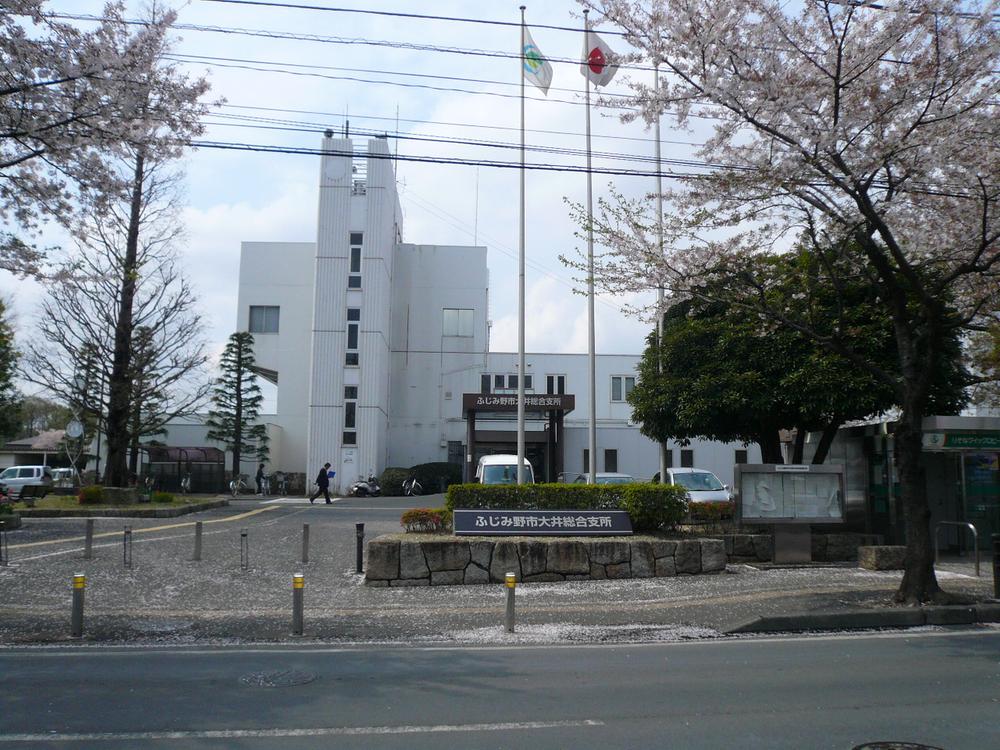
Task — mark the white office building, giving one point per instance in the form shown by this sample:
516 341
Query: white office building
380 351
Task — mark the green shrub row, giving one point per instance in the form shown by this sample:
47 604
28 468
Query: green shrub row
650 506
162 497
427 520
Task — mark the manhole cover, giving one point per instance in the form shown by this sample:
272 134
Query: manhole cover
279 678
895 746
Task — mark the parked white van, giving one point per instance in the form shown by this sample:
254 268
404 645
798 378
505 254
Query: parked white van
17 477
502 469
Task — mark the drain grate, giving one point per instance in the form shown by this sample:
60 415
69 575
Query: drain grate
888 745
279 678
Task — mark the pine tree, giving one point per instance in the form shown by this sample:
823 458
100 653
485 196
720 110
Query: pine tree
236 400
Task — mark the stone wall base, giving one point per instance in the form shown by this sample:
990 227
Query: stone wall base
426 560
885 557
835 547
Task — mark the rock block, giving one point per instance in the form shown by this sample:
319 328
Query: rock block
887 557
567 558
665 567
533 558
410 582
505 560
842 546
643 562
687 558
476 574
482 553
763 547
447 577
544 578
411 561
597 572
608 553
742 546
713 555
447 555
383 559
619 570
664 549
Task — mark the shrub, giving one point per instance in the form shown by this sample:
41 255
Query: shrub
650 506
392 479
712 512
427 520
162 497
92 494
430 475
6 505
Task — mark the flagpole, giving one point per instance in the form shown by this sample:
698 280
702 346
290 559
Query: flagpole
659 237
591 348
520 291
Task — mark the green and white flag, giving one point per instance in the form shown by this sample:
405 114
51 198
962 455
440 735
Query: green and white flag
536 69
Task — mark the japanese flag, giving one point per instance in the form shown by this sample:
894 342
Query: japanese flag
595 60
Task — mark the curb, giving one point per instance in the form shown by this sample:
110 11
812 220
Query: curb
869 619
123 512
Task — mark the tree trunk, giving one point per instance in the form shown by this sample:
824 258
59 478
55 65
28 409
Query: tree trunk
800 445
119 384
770 447
825 441
919 582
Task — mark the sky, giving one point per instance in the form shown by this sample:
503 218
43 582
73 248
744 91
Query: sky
284 92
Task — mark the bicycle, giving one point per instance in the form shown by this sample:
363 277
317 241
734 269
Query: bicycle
265 485
239 486
186 484
282 481
411 487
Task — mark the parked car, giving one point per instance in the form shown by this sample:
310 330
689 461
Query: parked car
606 477
702 485
502 469
17 477
65 477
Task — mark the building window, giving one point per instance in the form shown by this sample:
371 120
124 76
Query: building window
741 457
354 269
527 382
512 382
353 327
621 386
264 318
350 414
687 458
457 322
351 392
350 438
610 459
555 384
670 457
484 383
586 460
499 382
351 360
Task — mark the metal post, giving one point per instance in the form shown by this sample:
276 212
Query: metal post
197 541
298 584
359 530
996 566
88 545
244 550
511 580
79 585
305 543
127 547
3 544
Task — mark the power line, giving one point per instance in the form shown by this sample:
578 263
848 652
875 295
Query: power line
419 16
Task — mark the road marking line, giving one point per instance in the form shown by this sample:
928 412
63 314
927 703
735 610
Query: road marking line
314 732
144 530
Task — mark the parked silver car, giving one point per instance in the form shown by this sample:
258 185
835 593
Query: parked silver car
17 477
702 485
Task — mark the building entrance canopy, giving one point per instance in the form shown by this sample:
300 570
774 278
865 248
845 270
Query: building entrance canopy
541 406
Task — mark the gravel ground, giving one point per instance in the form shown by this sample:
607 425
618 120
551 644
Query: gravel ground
165 597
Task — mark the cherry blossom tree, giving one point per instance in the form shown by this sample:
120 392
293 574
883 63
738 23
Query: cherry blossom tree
68 98
869 131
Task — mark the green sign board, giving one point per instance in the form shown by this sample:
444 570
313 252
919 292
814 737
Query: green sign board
983 441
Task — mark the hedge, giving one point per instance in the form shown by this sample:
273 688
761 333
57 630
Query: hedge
392 480
650 506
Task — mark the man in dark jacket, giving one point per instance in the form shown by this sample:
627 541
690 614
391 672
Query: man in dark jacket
322 484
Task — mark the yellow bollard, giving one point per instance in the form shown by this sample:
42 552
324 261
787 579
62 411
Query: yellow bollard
511 582
79 584
298 584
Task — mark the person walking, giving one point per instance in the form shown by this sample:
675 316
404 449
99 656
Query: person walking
260 479
322 484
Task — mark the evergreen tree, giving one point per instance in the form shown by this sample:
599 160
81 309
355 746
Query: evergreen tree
236 400
10 399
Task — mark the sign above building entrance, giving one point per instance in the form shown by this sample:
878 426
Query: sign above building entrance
532 402
989 441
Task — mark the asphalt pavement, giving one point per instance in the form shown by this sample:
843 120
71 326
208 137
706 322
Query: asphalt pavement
241 589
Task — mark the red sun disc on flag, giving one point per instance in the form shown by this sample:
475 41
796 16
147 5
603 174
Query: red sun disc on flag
596 60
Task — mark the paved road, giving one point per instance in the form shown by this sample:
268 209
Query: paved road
937 688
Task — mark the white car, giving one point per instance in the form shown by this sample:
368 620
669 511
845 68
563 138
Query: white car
502 469
702 485
16 477
606 477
